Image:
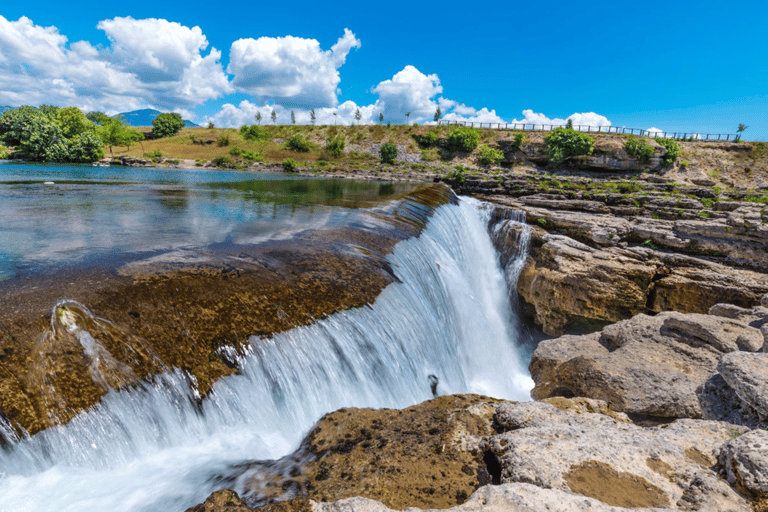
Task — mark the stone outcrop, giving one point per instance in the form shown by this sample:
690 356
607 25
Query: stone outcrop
597 262
671 365
472 453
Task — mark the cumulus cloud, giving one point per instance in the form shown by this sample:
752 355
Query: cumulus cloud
578 119
409 90
149 63
290 68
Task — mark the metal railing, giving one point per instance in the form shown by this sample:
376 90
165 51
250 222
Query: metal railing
527 127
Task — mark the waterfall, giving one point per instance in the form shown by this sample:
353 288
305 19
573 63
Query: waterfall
162 447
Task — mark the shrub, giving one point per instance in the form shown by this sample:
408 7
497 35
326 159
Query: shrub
563 143
165 125
490 156
223 141
289 164
457 174
252 132
223 161
154 154
429 155
639 148
428 140
388 152
519 141
672 151
298 143
335 145
463 138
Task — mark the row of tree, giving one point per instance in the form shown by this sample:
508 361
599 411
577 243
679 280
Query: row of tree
54 134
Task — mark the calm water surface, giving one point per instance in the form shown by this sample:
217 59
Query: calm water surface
89 212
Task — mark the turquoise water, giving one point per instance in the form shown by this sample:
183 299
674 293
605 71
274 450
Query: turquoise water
65 214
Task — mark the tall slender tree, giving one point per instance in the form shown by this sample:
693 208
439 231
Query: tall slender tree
293 117
312 116
258 117
381 117
438 114
273 115
358 116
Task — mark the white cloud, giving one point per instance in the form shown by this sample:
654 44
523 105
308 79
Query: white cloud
653 132
578 119
150 63
409 90
290 68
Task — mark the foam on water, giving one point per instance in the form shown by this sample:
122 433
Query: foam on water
160 447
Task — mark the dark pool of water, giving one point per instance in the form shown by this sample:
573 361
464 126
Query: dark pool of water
91 211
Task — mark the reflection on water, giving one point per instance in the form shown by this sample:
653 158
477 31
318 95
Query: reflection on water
94 211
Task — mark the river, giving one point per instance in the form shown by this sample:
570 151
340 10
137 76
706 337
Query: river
157 446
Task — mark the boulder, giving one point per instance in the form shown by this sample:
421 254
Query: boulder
652 366
747 375
744 463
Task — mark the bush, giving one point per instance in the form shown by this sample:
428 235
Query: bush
490 156
519 141
289 164
154 154
463 138
335 145
429 155
672 151
253 132
298 143
563 143
388 153
165 125
223 141
639 148
428 140
246 154
223 161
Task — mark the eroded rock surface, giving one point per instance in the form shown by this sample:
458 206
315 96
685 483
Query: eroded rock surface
598 261
671 365
560 454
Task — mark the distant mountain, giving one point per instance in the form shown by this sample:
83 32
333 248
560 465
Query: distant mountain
145 116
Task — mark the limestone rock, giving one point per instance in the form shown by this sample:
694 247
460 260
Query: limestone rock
224 500
646 365
744 461
747 374
764 301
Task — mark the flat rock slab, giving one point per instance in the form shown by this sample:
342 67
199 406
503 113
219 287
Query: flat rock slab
747 375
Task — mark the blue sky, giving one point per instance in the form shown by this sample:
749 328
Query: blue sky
676 66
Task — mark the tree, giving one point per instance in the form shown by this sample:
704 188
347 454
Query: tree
312 116
358 116
562 143
73 122
114 132
407 117
463 138
381 117
569 123
740 129
94 115
273 116
258 117
388 152
166 125
438 114
293 117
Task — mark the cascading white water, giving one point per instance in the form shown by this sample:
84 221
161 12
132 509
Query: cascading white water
161 448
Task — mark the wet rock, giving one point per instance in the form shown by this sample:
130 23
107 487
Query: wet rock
225 500
744 462
747 375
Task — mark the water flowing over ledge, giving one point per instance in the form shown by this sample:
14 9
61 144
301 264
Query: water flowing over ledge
162 446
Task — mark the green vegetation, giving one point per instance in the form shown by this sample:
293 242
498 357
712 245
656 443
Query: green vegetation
289 164
429 139
458 174
223 161
166 125
253 132
639 148
562 143
246 154
519 140
430 155
462 138
740 130
388 153
297 142
223 140
335 145
51 134
672 151
490 156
